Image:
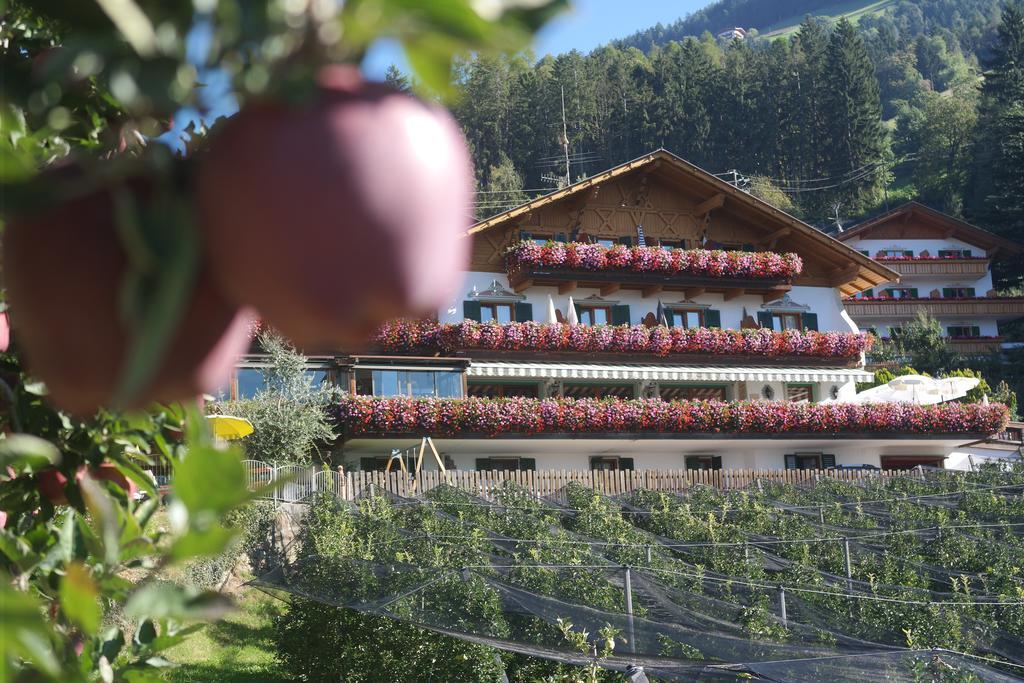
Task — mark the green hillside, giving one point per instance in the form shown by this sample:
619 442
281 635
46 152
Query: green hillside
852 10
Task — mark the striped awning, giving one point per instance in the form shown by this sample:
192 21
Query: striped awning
610 372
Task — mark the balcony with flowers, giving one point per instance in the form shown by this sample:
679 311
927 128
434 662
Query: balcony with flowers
556 341
651 269
370 417
908 303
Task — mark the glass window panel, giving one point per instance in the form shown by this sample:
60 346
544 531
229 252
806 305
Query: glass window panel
364 382
385 383
419 383
504 313
250 381
692 318
600 316
486 314
606 242
317 377
449 384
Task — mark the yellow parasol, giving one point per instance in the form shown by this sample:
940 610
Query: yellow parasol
229 427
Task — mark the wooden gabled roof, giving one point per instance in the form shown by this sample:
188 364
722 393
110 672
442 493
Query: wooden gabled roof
852 271
943 226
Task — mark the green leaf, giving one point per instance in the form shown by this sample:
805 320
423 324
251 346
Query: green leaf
167 601
211 480
206 543
25 453
104 514
23 631
79 598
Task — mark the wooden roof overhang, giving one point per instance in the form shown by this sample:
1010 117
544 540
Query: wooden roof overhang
944 226
849 270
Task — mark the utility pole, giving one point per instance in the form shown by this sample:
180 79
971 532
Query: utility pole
565 140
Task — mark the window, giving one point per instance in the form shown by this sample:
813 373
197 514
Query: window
594 315
867 293
414 383
501 313
505 464
895 253
669 245
607 242
909 462
691 393
902 292
963 331
503 390
954 253
688 318
786 321
957 292
249 382
610 463
810 461
703 462
598 391
800 392
895 331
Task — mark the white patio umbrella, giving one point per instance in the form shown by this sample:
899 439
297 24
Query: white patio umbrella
917 389
570 315
552 313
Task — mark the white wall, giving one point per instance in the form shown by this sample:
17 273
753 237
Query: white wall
824 301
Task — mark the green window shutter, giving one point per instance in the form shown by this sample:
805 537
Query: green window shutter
764 319
471 310
790 461
579 310
810 321
865 252
908 252
367 464
628 241
620 314
869 292
712 318
692 462
561 237
967 253
947 293
716 462
975 330
527 464
525 236
483 465
626 464
524 312
969 291
828 460
913 292
593 461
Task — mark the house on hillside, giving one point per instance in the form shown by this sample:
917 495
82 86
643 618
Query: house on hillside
709 332
945 268
730 34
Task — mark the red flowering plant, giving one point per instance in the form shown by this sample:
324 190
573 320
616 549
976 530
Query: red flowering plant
368 416
409 335
693 262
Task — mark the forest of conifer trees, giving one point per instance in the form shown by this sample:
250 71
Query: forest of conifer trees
834 123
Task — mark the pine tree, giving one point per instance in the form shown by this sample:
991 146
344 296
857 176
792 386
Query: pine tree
853 112
998 197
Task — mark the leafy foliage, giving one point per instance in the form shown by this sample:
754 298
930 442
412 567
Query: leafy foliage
290 414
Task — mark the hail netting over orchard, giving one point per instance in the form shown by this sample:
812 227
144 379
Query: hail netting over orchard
909 578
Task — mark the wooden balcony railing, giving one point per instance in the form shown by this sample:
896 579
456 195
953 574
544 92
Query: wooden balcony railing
967 346
992 307
955 268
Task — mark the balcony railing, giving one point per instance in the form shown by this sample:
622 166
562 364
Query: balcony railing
970 268
616 418
651 269
996 307
556 340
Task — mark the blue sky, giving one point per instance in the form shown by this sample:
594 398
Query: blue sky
589 24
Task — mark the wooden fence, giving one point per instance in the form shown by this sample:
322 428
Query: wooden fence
298 483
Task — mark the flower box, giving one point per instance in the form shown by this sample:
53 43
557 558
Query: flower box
415 335
364 416
587 259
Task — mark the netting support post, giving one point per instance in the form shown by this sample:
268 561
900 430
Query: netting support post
648 556
821 515
846 556
746 551
628 587
782 605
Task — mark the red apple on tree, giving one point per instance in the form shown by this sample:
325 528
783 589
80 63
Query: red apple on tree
332 216
63 270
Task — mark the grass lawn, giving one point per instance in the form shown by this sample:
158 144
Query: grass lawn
851 9
235 650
